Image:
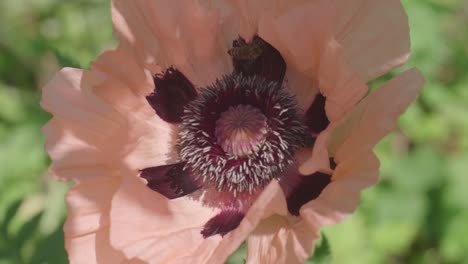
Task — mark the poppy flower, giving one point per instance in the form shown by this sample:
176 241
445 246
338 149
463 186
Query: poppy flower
216 122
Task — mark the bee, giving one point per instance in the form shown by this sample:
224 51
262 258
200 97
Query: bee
247 51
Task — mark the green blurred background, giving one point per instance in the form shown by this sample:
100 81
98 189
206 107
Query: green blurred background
417 214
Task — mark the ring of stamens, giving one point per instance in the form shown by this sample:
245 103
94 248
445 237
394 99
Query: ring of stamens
240 133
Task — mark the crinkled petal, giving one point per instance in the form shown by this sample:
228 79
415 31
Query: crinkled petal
376 115
338 82
78 135
70 154
278 241
387 103
149 143
87 225
249 13
283 240
358 167
315 159
148 226
300 35
121 82
68 96
102 115
374 35
181 33
270 202
341 197
304 36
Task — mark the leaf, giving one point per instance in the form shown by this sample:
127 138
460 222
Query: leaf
419 171
322 252
239 256
10 213
27 231
50 249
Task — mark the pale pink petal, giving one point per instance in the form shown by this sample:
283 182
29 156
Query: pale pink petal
249 13
119 80
181 33
374 35
341 197
83 125
241 17
150 142
68 152
304 36
358 167
291 239
69 97
270 202
300 35
342 87
279 240
102 115
132 81
148 226
87 226
303 86
377 114
157 230
391 99
315 159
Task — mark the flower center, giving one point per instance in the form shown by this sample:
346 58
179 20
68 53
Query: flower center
241 130
240 133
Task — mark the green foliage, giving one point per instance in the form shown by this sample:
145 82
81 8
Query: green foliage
36 39
417 214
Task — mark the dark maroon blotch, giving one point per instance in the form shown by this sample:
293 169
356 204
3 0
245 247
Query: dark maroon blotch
258 58
305 190
172 92
222 223
171 181
316 117
333 164
309 141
